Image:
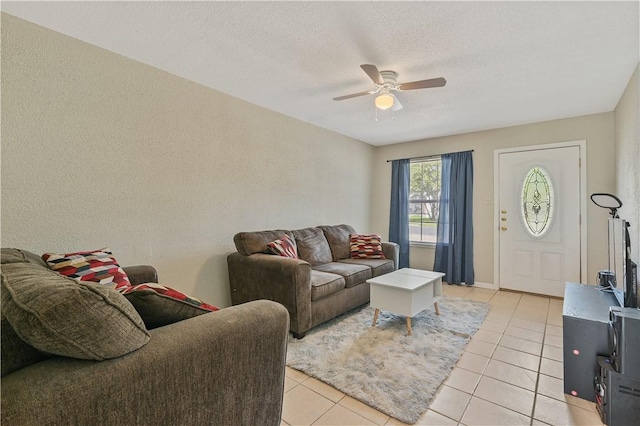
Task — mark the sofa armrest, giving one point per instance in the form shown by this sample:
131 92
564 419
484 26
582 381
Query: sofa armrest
281 279
391 251
141 274
225 367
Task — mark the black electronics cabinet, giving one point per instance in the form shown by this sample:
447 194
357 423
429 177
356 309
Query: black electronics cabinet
585 319
624 340
617 395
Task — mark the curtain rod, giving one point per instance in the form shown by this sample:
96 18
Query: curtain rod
430 156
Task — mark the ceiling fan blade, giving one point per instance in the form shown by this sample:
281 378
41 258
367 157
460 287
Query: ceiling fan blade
373 73
423 84
355 95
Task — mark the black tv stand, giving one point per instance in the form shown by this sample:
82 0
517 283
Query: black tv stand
585 320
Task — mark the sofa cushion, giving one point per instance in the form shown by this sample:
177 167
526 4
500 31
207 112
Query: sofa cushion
353 274
248 243
284 246
57 315
312 246
366 246
159 305
338 237
97 266
13 255
324 284
16 353
378 266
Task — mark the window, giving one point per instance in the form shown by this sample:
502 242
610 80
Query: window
424 200
537 201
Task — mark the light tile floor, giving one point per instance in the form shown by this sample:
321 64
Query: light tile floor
510 374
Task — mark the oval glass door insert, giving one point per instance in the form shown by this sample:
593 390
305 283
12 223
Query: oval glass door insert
537 201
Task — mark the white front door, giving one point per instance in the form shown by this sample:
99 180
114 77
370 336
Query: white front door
539 219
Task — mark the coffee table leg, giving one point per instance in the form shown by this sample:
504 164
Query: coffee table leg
435 305
409 326
375 317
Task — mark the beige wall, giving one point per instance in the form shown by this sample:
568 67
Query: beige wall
596 129
99 150
627 162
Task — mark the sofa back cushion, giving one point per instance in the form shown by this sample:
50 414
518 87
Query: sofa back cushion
248 243
16 353
57 315
13 255
312 246
338 238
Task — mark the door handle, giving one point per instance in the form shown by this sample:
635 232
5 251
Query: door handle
504 219
504 228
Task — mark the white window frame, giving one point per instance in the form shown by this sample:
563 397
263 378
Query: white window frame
435 158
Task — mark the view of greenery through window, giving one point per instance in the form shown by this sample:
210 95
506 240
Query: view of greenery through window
424 200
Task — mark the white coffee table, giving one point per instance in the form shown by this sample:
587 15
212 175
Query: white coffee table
406 292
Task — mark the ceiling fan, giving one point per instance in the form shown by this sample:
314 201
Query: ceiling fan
385 82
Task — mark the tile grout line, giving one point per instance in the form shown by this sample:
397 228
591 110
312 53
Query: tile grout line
465 350
328 399
483 370
317 393
535 394
495 346
491 358
539 373
539 363
360 415
342 406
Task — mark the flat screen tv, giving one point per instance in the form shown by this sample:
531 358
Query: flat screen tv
620 263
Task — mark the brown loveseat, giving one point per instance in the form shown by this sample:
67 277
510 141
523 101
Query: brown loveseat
324 283
220 368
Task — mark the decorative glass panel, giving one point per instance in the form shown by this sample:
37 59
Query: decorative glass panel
537 201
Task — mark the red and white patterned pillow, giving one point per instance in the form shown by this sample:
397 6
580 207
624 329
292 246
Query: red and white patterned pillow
159 305
366 246
97 266
284 246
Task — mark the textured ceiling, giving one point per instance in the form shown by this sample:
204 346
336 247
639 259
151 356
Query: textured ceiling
506 63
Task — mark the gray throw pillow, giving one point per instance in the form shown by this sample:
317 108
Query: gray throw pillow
158 311
159 305
58 315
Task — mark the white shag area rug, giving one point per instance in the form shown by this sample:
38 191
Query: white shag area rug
382 366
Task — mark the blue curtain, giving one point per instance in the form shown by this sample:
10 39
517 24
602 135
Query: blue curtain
454 246
399 214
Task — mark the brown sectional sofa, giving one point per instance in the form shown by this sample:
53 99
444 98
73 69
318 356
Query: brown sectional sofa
324 283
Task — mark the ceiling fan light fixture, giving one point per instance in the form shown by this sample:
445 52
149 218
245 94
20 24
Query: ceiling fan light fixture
384 101
386 84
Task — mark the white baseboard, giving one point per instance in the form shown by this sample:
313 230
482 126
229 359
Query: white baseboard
486 285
